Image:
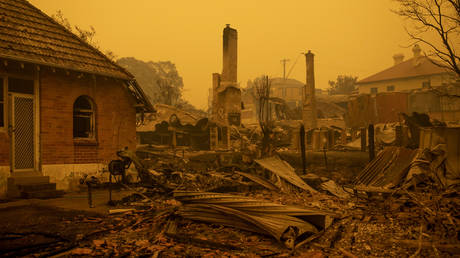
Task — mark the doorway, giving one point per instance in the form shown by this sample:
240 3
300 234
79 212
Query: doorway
21 125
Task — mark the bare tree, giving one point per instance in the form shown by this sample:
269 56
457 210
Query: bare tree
262 87
438 18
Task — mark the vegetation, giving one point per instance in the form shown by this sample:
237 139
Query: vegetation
87 35
159 80
435 24
343 85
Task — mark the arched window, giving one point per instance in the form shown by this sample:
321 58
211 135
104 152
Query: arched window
83 118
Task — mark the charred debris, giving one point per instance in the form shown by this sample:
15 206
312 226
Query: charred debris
362 182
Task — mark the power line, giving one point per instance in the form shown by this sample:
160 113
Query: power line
292 67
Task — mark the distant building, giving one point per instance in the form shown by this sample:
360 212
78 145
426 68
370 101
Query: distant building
290 90
416 73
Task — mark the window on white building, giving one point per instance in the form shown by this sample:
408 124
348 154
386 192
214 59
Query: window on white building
374 90
391 88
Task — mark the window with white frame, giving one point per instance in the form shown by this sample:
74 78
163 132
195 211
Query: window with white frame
374 90
83 118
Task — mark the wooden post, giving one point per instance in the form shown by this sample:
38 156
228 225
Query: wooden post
302 149
363 139
371 142
343 137
173 142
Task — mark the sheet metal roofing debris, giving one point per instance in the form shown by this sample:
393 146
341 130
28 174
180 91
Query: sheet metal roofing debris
267 184
282 170
288 224
335 189
388 169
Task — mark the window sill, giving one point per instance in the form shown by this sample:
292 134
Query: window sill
84 142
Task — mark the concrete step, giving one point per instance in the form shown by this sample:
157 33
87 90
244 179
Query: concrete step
35 181
43 194
36 187
25 180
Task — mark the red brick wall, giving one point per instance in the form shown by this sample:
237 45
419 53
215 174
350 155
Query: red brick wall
115 118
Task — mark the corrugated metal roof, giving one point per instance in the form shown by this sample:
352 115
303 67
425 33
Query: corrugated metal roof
29 35
388 168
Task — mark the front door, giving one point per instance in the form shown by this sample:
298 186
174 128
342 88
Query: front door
21 129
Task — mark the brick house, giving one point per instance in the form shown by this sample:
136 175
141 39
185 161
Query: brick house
65 108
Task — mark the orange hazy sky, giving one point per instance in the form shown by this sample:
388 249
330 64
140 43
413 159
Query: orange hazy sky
354 37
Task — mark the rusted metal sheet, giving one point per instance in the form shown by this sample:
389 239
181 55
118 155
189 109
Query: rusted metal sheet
288 224
389 105
283 170
388 169
361 111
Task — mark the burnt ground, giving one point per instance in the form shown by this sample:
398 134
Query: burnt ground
419 224
381 228
45 229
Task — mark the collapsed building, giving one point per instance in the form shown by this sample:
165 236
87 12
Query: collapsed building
177 128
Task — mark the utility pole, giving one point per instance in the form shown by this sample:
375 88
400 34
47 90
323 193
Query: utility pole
284 61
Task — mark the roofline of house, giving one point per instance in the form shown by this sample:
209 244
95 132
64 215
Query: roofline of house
36 62
148 107
359 83
137 89
123 70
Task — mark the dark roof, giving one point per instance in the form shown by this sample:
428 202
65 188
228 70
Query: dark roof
29 35
414 67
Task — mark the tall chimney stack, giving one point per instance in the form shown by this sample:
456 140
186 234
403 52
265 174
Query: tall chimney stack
230 54
309 105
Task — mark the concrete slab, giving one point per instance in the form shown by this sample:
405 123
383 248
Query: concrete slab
75 201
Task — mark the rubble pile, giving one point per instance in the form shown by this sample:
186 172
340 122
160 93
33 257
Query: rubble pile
220 204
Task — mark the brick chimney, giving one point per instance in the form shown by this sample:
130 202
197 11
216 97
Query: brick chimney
230 55
398 58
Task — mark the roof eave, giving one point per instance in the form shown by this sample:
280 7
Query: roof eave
399 78
147 105
37 62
